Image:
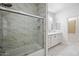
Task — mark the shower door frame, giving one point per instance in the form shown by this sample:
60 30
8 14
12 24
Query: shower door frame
31 15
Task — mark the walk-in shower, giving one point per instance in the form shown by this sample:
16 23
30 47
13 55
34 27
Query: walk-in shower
20 33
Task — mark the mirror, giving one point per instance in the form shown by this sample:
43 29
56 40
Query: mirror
50 22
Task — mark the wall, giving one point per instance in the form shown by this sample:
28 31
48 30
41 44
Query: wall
63 16
25 7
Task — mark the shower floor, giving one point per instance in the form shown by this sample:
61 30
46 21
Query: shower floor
24 50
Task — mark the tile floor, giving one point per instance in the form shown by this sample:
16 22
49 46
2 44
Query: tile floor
71 49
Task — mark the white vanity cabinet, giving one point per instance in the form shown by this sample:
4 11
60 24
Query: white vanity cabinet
54 38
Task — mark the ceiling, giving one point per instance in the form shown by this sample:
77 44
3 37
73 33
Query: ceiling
56 7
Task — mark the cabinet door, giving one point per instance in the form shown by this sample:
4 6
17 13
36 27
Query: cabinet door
49 41
53 40
56 38
59 36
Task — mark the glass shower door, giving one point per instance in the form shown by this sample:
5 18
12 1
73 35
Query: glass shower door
22 35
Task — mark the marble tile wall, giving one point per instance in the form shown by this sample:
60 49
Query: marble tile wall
25 7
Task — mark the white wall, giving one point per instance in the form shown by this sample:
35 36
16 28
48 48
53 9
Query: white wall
63 16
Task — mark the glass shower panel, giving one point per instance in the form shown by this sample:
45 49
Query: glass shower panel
21 34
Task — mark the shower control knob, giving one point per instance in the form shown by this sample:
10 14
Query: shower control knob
6 4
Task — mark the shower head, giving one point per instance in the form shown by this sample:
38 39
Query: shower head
6 4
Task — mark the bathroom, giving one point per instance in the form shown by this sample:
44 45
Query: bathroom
63 29
39 29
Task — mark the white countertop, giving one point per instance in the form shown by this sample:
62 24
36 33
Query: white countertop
54 32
